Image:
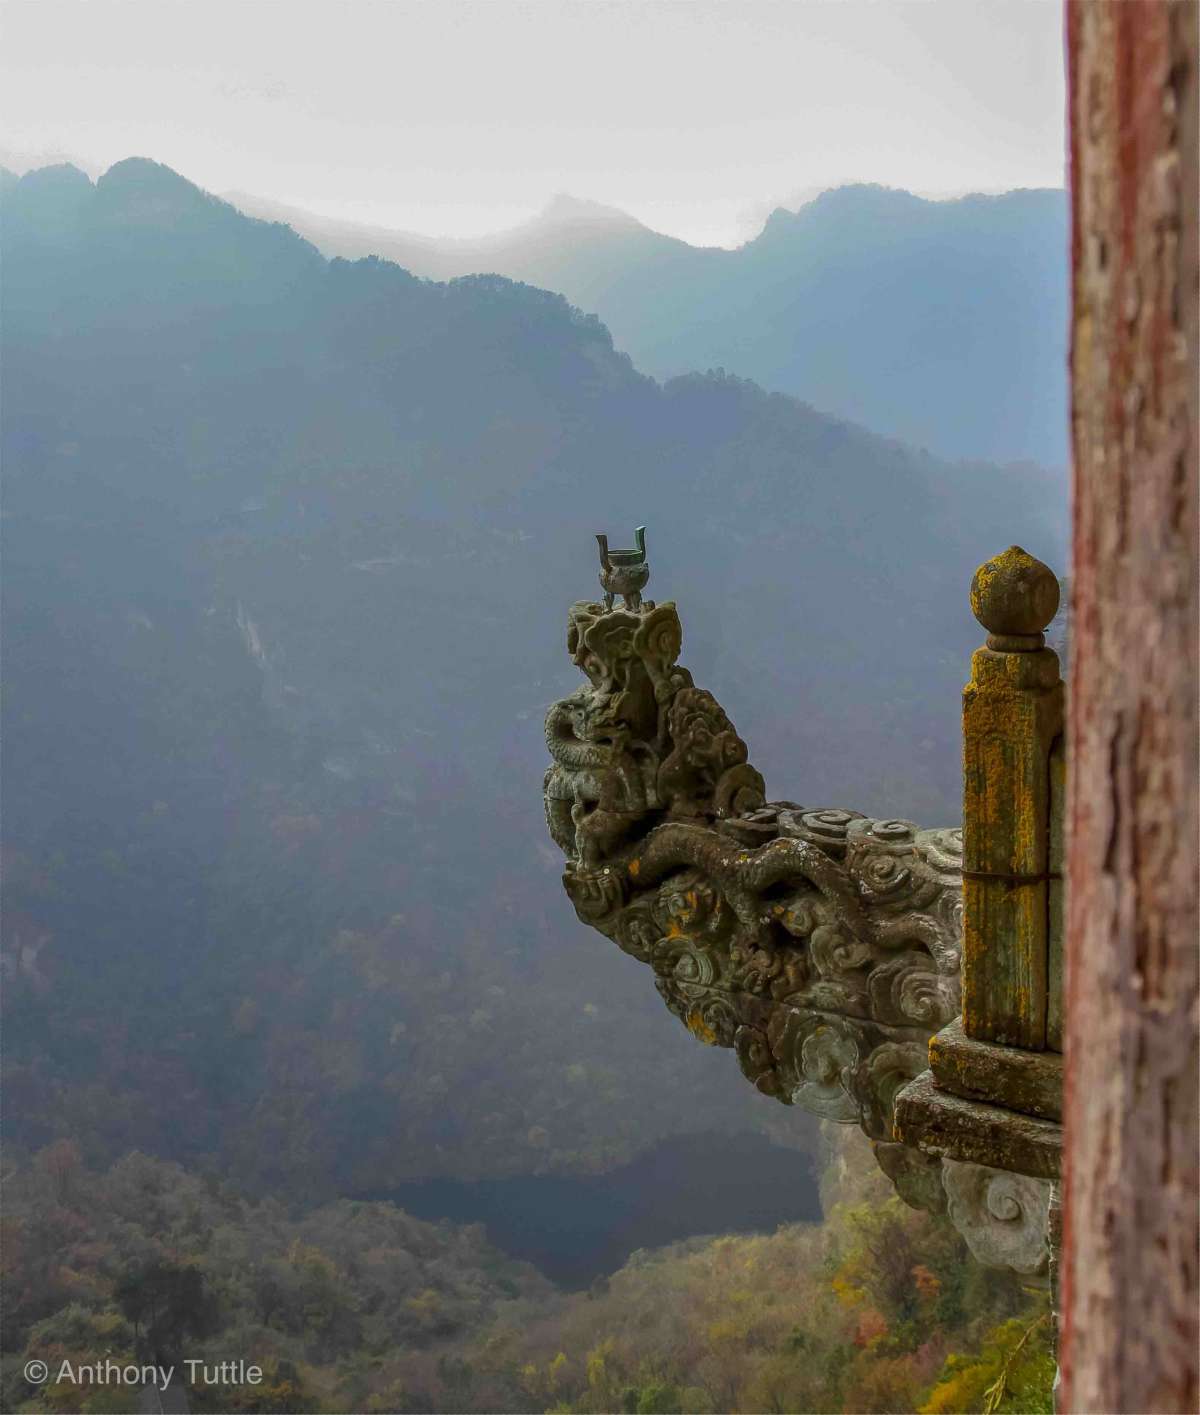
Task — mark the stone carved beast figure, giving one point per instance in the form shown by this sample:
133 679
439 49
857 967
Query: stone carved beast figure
637 740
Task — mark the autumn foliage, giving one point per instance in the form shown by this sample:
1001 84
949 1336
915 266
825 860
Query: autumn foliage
358 1307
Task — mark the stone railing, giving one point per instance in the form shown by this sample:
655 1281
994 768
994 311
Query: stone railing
824 947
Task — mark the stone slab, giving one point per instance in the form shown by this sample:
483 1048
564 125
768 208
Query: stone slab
940 1123
1010 1077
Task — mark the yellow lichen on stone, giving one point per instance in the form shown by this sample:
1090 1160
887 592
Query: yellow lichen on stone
1012 713
700 1029
1014 594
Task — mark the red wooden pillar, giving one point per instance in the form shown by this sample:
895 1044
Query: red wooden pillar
1129 1335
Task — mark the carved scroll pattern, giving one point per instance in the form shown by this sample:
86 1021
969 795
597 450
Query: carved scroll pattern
1004 1217
821 945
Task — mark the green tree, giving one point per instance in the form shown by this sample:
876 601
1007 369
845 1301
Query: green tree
166 1303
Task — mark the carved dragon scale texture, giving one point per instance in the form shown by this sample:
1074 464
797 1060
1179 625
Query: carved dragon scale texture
821 945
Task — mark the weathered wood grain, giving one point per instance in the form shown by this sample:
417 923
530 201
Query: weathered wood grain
1129 1337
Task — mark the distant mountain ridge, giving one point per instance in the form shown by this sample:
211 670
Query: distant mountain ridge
939 322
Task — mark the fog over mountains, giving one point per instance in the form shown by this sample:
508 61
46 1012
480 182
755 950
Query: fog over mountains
939 322
289 544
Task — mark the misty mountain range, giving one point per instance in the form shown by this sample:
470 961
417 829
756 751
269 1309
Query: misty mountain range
289 544
939 322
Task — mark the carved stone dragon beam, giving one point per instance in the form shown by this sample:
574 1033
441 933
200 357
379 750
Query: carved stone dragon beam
822 946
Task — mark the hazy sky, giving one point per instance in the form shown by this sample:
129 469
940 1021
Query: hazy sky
698 116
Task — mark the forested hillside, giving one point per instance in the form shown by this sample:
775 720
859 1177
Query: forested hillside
940 322
288 548
358 1307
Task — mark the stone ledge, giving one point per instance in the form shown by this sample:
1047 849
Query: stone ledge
1010 1077
940 1123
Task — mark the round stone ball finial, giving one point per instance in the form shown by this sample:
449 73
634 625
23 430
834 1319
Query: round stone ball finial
1014 597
